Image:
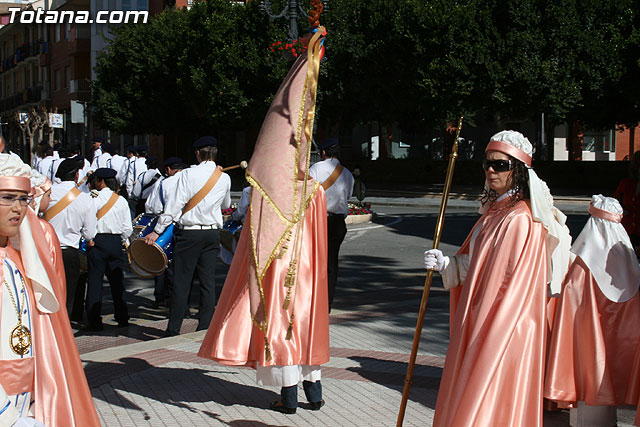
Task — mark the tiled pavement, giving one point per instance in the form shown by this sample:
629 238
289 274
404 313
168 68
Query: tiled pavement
162 382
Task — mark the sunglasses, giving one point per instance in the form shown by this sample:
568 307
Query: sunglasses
497 165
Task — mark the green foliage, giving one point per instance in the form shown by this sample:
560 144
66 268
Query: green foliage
188 71
420 63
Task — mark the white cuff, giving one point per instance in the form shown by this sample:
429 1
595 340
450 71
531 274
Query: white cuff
455 272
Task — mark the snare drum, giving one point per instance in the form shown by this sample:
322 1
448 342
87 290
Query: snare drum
153 259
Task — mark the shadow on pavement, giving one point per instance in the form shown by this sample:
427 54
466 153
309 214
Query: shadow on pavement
172 386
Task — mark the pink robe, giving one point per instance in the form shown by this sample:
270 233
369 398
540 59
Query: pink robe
593 343
232 338
60 390
494 369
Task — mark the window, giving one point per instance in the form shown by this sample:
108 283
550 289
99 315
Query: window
142 5
598 141
56 81
67 76
67 31
126 4
56 30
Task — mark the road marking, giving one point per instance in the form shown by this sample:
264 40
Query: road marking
371 227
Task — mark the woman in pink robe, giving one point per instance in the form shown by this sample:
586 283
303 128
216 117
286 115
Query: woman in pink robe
595 332
494 369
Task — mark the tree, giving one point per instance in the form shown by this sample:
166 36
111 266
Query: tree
188 72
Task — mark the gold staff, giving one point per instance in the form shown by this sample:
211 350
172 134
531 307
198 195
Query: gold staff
427 282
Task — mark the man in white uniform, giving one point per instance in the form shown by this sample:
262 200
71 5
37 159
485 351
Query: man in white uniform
338 186
106 255
201 192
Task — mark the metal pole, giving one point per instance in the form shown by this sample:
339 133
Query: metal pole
427 282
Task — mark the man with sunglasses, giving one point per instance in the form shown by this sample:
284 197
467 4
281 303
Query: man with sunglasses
498 282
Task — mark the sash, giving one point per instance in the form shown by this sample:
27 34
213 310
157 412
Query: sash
62 203
107 206
333 177
17 375
213 179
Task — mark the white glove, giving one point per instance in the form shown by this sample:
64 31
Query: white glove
435 260
28 422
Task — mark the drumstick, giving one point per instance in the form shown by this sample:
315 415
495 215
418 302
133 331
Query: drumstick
243 164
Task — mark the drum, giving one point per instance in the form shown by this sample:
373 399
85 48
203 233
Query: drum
152 259
230 232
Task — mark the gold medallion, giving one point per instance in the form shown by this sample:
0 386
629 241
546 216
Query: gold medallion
20 339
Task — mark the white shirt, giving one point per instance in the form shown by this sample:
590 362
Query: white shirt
118 219
77 220
144 179
35 162
130 171
8 321
53 169
155 204
82 173
44 164
243 205
340 191
101 161
97 153
208 211
116 162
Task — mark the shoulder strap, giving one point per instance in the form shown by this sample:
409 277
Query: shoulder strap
62 203
213 179
333 177
161 190
107 206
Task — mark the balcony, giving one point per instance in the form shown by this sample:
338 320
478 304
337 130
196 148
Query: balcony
22 53
79 86
28 96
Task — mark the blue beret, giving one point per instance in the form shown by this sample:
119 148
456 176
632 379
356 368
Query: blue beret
329 142
205 141
141 149
172 161
107 147
105 173
150 159
97 139
132 149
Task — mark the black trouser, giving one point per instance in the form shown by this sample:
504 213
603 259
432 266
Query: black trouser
312 391
71 261
163 284
106 257
336 230
193 249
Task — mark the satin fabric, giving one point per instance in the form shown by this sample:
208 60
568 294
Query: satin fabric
493 372
593 343
16 376
233 339
61 393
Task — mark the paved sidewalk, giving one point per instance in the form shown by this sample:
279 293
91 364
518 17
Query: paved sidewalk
163 382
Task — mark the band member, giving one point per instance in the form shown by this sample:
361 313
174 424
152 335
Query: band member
126 170
494 369
144 184
45 163
595 332
41 375
201 192
103 160
272 314
96 150
337 182
106 255
155 205
73 216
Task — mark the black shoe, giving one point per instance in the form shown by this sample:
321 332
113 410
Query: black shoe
123 324
315 406
158 304
279 407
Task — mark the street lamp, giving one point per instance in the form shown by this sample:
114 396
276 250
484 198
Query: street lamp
292 9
